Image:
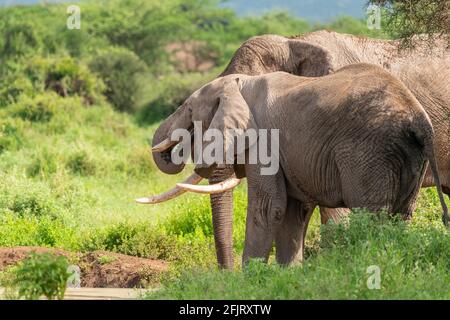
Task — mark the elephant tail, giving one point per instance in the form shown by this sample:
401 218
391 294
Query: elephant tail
425 134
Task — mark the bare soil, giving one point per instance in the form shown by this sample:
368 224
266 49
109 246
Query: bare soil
99 269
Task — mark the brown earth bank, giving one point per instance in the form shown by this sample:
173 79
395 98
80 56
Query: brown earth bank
98 269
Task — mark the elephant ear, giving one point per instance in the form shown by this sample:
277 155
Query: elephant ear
232 119
313 60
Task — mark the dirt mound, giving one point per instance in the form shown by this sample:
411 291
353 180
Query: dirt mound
100 269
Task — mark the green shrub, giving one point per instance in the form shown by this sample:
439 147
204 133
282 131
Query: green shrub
117 235
169 93
413 261
18 39
138 163
190 220
44 231
65 76
10 134
120 69
38 109
81 163
33 202
42 274
12 86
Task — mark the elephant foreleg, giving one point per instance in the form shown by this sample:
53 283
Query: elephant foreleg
335 214
258 237
290 236
267 201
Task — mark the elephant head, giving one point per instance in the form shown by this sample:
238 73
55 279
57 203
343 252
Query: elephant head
271 53
217 107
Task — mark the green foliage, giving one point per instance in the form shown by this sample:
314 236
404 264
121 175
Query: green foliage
10 134
13 85
42 274
120 69
18 39
141 26
34 203
38 109
168 94
65 76
81 163
405 19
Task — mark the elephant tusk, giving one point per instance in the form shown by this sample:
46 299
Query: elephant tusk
212 188
173 193
164 145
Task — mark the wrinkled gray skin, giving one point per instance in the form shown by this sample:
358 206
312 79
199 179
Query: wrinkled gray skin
316 54
357 138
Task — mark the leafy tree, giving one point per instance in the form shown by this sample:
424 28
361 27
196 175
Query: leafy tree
120 69
408 18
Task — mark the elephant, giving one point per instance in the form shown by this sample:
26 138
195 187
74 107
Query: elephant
319 53
357 138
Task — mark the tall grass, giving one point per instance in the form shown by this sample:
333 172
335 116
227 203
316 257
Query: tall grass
413 263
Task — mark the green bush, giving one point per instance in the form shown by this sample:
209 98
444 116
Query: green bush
65 76
138 163
11 135
81 163
120 69
12 86
42 274
18 39
413 262
169 93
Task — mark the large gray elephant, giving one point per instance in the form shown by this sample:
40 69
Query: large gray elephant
425 73
357 138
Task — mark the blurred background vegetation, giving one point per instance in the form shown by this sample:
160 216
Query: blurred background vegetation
77 112
142 56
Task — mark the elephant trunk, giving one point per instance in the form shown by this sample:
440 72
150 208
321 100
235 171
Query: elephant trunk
160 141
222 218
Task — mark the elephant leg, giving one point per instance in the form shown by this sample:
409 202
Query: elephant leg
222 219
334 214
258 238
446 190
267 201
290 236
